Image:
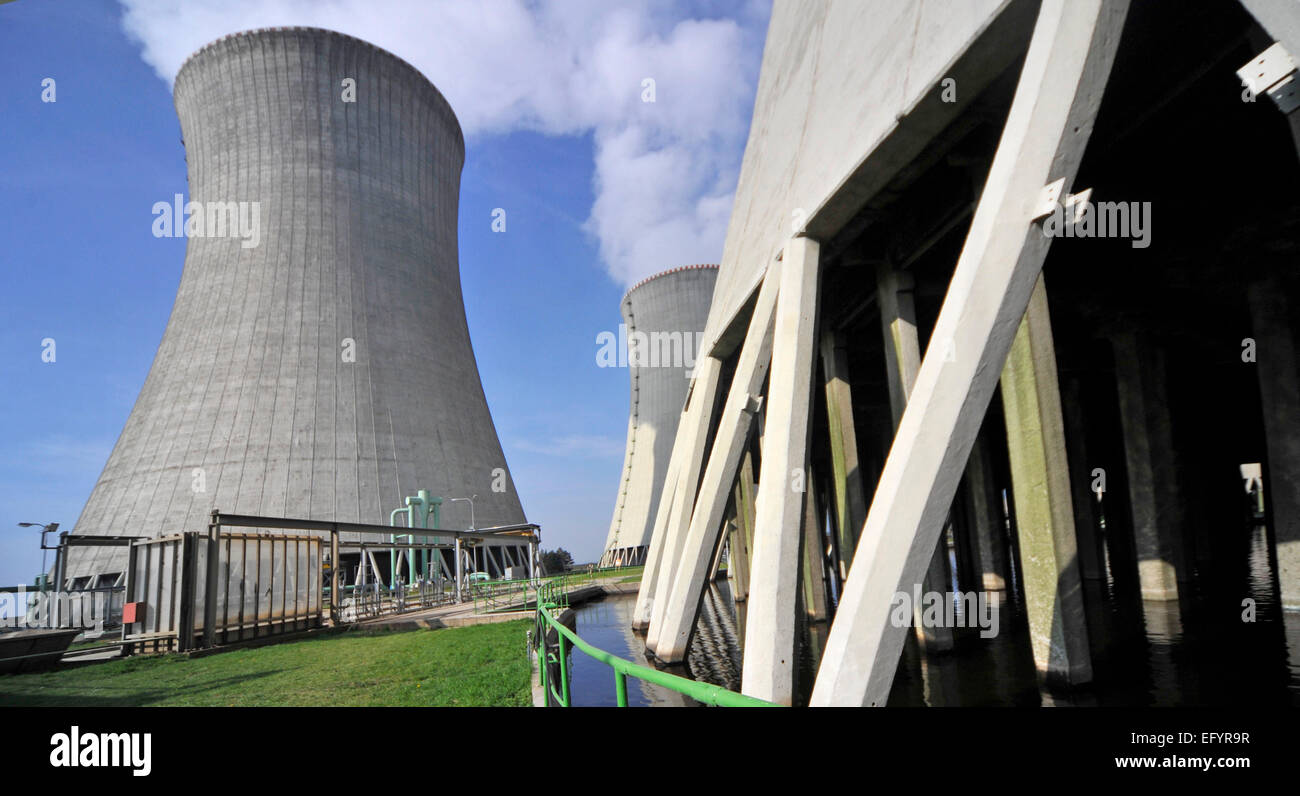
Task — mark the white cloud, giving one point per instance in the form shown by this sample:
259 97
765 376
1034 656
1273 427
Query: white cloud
665 171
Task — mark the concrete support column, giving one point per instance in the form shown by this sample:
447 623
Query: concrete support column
336 564
1047 129
769 658
1092 558
678 496
984 514
1040 481
938 580
895 296
1277 358
743 532
813 558
895 293
1152 467
658 536
673 617
720 548
969 578
460 569
850 501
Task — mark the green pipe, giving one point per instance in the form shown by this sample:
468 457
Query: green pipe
435 515
436 520
542 662
421 501
620 688
392 538
564 675
423 506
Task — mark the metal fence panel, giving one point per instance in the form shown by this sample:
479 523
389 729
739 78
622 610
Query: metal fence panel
265 583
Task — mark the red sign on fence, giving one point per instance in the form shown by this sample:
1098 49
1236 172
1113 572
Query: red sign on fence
132 612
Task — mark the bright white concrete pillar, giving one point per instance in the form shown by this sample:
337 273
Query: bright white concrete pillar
654 553
673 619
677 498
769 659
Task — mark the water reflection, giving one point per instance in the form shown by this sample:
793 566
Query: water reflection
1194 651
607 624
715 653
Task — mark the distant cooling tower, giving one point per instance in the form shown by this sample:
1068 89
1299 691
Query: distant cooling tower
664 317
325 372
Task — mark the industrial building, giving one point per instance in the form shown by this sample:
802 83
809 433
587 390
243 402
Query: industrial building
923 357
663 318
321 369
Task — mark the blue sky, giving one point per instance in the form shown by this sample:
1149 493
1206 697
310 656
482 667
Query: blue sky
598 195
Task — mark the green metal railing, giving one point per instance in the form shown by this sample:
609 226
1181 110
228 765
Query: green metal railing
500 595
552 596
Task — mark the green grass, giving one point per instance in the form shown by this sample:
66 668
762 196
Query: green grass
481 665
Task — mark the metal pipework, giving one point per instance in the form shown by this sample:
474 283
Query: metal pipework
419 508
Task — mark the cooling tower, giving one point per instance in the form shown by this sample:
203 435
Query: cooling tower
325 372
664 319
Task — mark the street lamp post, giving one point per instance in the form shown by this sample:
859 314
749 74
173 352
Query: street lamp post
46 528
470 501
460 549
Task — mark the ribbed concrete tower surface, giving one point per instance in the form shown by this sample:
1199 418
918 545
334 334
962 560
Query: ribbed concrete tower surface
326 372
664 318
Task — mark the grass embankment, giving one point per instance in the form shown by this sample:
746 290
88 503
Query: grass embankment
481 665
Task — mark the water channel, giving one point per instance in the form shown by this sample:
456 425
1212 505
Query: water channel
1198 651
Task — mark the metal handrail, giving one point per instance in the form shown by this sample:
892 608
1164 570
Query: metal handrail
500 594
491 593
701 692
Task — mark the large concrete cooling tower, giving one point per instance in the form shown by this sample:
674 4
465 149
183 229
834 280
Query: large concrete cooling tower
664 317
325 372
